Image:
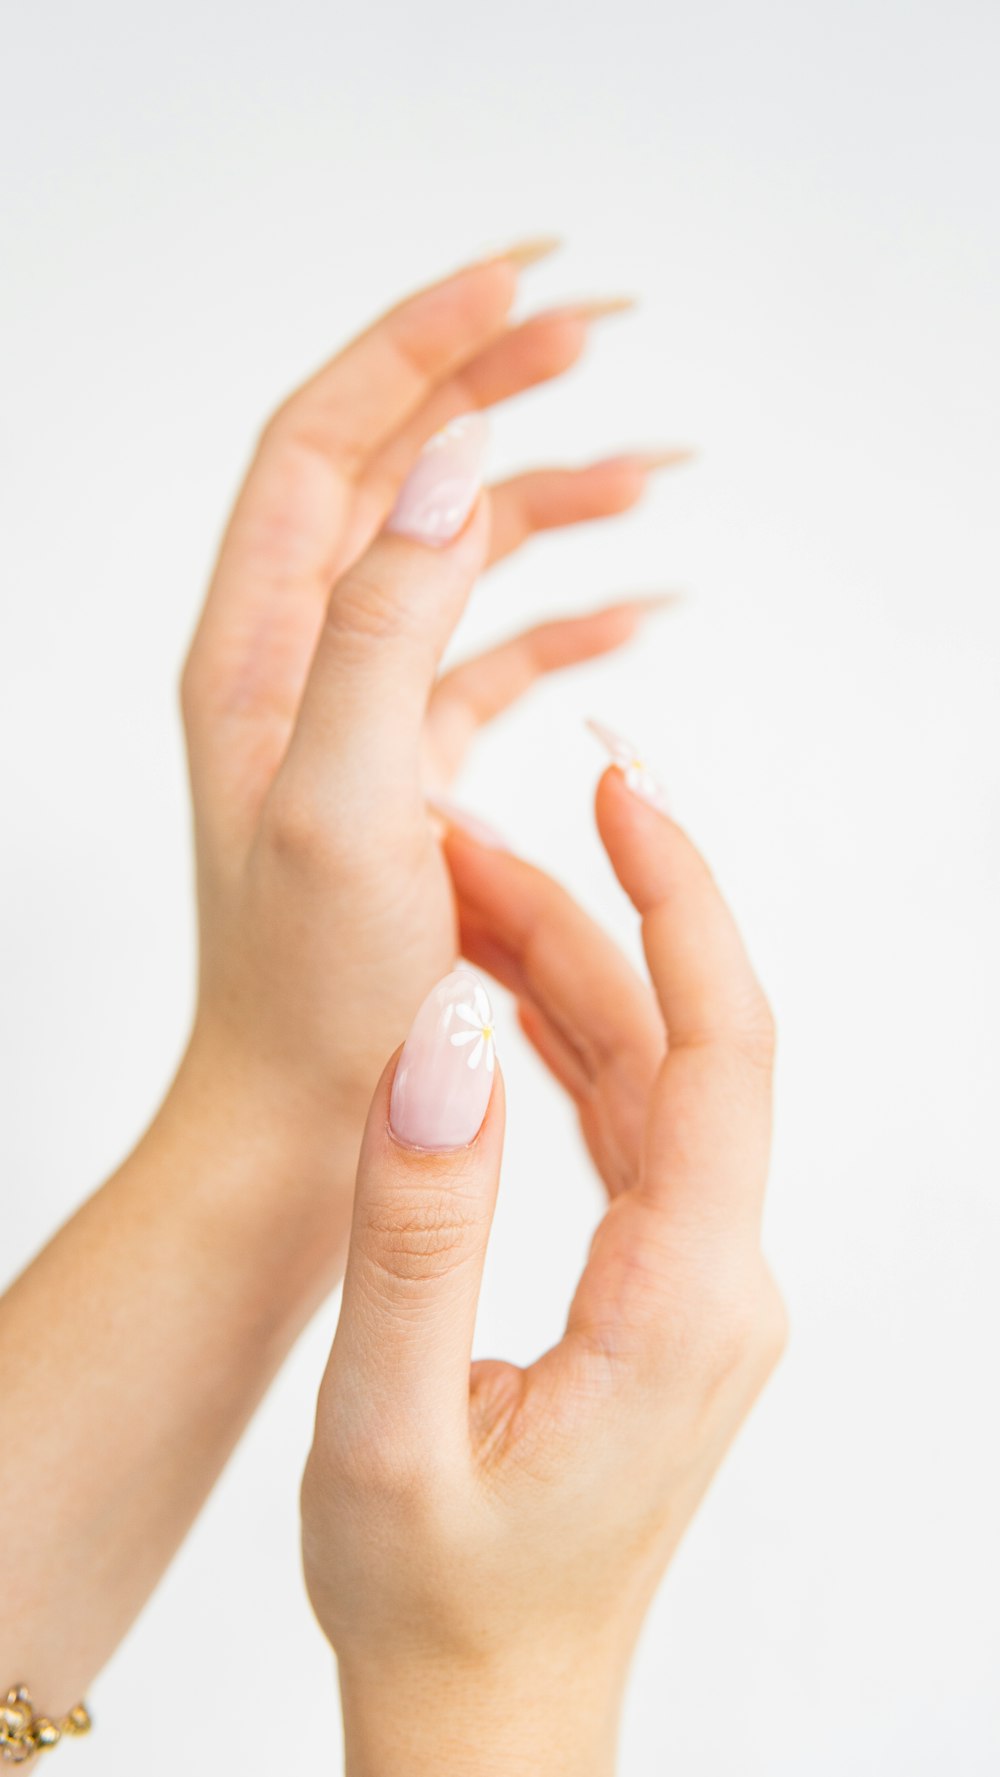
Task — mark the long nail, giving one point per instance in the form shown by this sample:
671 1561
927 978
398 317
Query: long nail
648 603
441 489
444 1075
672 458
470 824
529 252
633 767
594 310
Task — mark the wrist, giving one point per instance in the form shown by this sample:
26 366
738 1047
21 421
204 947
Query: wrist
553 1716
256 1174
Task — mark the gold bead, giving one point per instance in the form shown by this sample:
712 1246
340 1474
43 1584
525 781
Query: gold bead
78 1720
44 1732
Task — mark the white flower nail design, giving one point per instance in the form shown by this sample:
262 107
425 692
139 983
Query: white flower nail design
632 766
478 1016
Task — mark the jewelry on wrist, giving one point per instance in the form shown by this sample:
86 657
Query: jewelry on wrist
23 1734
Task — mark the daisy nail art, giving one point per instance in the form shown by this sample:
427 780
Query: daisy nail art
632 765
443 486
444 1075
477 1017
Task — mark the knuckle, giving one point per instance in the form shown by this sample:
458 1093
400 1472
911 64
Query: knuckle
774 1326
297 834
356 1459
417 1244
756 1036
364 609
291 425
744 1321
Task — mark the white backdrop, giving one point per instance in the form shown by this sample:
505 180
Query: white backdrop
202 201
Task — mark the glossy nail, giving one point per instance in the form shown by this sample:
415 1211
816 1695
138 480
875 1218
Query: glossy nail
441 489
444 1075
452 815
633 767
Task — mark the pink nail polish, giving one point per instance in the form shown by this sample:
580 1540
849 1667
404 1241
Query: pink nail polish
632 766
441 489
444 1076
477 829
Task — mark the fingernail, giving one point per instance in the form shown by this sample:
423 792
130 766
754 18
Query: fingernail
442 487
529 252
649 603
444 1075
477 829
633 767
595 310
651 460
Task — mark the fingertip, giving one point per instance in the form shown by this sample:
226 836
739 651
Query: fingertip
551 343
484 290
622 481
640 837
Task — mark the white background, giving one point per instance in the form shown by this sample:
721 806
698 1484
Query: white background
202 201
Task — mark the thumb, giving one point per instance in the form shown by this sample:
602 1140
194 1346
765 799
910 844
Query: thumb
427 1184
388 622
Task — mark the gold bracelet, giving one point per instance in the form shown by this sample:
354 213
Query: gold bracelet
23 1733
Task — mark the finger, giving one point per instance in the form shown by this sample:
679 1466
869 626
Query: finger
709 1132
527 931
269 591
427 1183
521 358
613 1136
547 499
389 618
480 689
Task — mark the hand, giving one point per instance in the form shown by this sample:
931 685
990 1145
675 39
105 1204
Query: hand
158 1314
317 723
481 1545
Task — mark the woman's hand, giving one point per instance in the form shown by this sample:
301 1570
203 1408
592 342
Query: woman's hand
481 1545
317 723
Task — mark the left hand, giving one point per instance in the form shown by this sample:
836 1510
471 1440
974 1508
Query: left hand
317 722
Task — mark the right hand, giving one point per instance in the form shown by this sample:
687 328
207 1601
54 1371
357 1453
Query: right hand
481 1545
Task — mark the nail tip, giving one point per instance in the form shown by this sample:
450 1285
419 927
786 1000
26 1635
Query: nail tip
628 762
597 309
673 458
530 250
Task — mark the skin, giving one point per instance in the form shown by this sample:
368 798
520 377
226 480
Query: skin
316 720
482 1542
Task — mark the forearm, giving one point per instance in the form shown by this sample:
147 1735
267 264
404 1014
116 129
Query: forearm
133 1351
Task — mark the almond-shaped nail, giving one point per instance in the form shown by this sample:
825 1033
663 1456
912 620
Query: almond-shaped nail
627 757
444 1075
472 824
441 489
